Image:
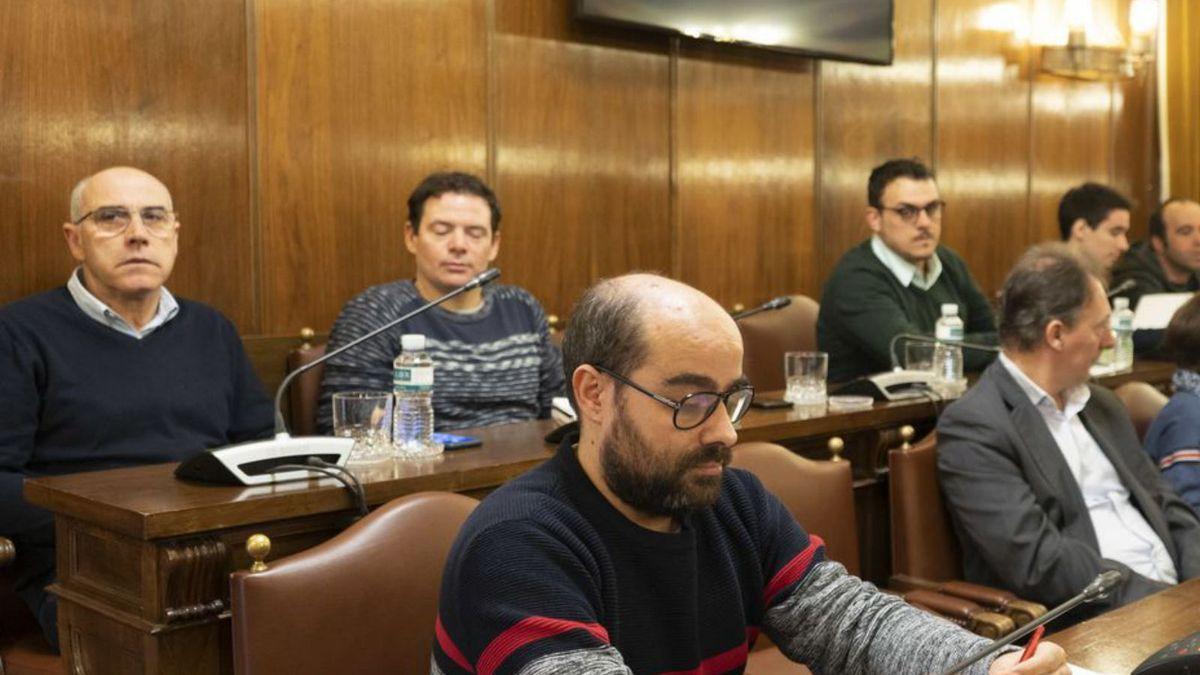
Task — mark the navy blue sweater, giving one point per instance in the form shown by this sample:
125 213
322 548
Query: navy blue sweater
78 396
546 565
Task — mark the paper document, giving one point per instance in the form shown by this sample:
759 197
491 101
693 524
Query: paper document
1154 311
561 410
1080 670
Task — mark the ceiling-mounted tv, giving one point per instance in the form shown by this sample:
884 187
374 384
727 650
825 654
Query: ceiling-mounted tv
848 30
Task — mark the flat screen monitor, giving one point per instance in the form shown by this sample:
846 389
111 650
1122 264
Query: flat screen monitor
848 30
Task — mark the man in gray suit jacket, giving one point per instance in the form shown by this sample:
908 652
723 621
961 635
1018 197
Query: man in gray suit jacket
1043 474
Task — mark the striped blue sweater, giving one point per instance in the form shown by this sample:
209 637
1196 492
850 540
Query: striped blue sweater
490 366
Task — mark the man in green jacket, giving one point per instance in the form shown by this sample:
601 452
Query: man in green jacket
896 281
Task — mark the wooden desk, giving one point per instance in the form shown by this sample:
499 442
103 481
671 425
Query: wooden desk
143 558
1117 642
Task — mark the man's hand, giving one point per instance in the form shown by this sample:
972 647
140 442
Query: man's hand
1049 659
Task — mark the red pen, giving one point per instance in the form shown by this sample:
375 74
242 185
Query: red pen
1033 643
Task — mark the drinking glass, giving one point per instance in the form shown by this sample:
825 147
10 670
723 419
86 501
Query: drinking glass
806 373
365 416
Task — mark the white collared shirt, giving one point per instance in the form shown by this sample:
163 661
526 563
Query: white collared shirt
905 272
96 310
1121 530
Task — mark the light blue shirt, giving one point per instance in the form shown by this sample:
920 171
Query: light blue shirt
905 272
1121 530
96 310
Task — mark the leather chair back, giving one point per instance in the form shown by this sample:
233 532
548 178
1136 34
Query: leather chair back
924 545
819 495
767 336
305 393
362 602
1144 402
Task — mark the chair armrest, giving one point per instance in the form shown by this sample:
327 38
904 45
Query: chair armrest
964 612
8 552
996 600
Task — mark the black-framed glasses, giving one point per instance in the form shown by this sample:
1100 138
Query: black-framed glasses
693 409
909 212
113 220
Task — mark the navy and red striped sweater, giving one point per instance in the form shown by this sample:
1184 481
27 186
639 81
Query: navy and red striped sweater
546 566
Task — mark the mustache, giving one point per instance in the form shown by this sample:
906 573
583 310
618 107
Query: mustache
716 452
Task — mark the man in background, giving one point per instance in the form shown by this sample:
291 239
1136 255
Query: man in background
493 359
1094 220
112 370
897 280
1043 473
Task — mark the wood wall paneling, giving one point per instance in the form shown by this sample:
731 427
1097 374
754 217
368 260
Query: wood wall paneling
982 139
357 101
869 114
157 85
744 164
581 151
1134 138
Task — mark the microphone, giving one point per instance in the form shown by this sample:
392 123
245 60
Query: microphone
283 457
932 340
777 303
1097 589
1127 285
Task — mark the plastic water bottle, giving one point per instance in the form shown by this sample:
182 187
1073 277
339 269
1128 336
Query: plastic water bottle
412 382
1122 326
947 355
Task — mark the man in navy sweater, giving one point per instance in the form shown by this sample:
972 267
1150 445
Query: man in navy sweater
635 549
111 370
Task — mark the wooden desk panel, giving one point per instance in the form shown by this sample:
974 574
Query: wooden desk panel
1117 642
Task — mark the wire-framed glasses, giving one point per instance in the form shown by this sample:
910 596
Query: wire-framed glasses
113 220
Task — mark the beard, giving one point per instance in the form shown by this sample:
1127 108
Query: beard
654 483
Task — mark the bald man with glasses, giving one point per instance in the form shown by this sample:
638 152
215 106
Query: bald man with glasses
636 549
111 369
897 280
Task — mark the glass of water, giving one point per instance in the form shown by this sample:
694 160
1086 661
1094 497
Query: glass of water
919 356
365 416
806 372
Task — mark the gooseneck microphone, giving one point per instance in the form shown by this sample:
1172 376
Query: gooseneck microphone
913 337
1127 285
776 303
285 458
479 280
1098 588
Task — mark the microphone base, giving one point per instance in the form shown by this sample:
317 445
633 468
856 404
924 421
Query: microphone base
252 463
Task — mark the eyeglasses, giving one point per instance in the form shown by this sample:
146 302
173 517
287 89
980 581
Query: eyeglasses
113 220
909 212
693 409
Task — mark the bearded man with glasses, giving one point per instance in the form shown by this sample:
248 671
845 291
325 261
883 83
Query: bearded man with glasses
111 369
636 549
897 280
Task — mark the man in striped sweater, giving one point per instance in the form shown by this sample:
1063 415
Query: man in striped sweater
491 348
635 549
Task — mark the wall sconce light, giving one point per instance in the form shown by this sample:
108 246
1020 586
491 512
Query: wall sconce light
1080 60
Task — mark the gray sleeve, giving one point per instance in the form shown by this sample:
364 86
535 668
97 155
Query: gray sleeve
602 661
837 623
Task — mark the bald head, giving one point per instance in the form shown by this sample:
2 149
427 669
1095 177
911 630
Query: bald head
622 322
86 191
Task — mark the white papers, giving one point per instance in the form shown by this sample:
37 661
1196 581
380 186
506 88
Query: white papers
1154 311
1080 670
561 410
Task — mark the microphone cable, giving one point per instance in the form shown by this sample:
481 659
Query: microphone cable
338 473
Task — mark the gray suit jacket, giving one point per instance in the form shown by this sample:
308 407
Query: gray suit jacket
1017 510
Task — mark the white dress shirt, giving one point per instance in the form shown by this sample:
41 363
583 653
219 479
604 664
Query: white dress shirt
1121 530
905 272
96 310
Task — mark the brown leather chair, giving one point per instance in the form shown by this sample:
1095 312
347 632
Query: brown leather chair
23 650
362 602
305 393
767 336
925 550
820 496
1144 402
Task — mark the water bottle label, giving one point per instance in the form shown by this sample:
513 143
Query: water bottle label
412 379
950 333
